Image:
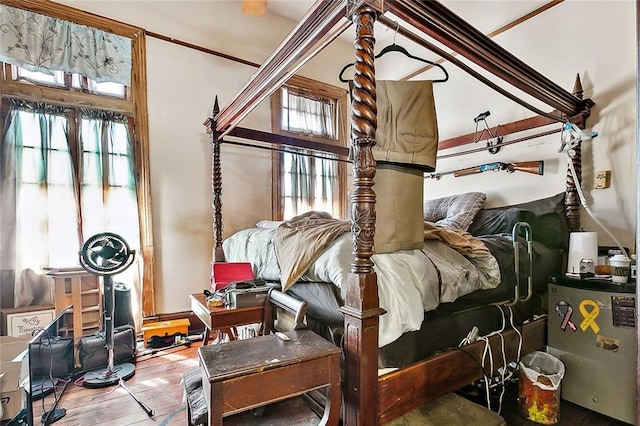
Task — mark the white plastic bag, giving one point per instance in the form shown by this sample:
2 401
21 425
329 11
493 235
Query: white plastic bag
543 370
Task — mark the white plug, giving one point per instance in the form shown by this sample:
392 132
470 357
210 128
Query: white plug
473 334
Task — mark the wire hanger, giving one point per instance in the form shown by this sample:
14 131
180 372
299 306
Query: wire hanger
397 48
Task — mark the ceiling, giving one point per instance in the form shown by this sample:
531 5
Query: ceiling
462 92
486 15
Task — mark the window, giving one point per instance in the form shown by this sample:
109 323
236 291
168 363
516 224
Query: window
69 80
74 156
306 180
68 183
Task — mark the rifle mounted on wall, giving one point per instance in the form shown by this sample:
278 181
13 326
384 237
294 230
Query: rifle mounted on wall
533 167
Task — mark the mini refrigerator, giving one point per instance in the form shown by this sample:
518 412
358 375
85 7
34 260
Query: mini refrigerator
592 329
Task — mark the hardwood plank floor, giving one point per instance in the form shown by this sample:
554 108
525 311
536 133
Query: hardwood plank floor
157 383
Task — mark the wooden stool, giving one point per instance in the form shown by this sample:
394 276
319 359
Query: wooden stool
245 374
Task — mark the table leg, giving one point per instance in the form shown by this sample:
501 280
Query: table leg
215 404
207 334
229 331
331 415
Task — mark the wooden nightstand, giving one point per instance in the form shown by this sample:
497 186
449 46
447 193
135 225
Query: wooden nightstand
224 318
240 375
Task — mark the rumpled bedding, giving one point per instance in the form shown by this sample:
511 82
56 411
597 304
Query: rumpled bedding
410 282
300 240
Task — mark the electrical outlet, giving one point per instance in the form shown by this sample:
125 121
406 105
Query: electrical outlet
602 179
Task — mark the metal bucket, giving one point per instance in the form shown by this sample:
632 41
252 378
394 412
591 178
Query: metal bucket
539 387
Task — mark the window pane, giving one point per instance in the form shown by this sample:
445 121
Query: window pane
120 173
55 78
308 115
36 148
76 81
59 169
107 88
119 139
90 136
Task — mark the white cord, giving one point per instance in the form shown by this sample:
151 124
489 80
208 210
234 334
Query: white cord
504 362
486 379
487 349
588 210
519 335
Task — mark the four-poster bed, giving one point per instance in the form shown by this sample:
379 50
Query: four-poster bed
370 399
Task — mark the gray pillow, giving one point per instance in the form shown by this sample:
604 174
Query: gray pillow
454 211
501 221
549 227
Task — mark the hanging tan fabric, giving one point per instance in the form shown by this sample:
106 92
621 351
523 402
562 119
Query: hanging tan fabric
406 147
399 200
407 131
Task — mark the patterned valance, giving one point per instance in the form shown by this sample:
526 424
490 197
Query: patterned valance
42 43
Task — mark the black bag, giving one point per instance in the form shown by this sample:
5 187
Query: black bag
51 357
92 350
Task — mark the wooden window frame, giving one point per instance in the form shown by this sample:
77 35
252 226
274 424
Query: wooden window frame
134 104
315 89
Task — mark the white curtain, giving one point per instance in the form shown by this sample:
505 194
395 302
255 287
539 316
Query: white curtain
42 43
38 208
108 201
308 115
57 192
310 183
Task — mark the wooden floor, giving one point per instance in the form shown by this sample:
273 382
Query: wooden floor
157 383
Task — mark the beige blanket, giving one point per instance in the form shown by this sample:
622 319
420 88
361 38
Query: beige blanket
461 241
299 241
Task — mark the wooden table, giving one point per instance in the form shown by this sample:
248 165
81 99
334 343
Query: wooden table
244 374
223 318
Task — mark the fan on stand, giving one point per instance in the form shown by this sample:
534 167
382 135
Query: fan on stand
107 254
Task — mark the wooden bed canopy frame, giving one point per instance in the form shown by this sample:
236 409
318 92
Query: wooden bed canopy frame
369 398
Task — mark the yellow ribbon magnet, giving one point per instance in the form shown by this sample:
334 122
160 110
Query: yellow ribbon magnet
589 315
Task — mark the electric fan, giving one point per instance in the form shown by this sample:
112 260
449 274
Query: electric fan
107 254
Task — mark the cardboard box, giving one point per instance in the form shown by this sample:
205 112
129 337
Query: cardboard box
24 321
12 403
12 351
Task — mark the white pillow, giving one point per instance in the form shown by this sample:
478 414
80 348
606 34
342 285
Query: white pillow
455 211
268 224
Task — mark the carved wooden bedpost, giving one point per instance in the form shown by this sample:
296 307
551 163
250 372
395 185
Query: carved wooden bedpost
361 309
216 186
572 199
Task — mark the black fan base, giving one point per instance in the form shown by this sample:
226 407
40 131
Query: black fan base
103 377
53 416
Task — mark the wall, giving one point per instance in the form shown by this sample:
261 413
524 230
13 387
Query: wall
182 84
574 42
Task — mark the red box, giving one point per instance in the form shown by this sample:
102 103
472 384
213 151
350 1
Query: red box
222 273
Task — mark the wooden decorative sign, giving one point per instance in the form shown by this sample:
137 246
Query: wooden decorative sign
25 321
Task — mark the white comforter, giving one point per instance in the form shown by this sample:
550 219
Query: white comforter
410 282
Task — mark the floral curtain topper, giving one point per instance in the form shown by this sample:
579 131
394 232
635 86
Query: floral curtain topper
44 44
